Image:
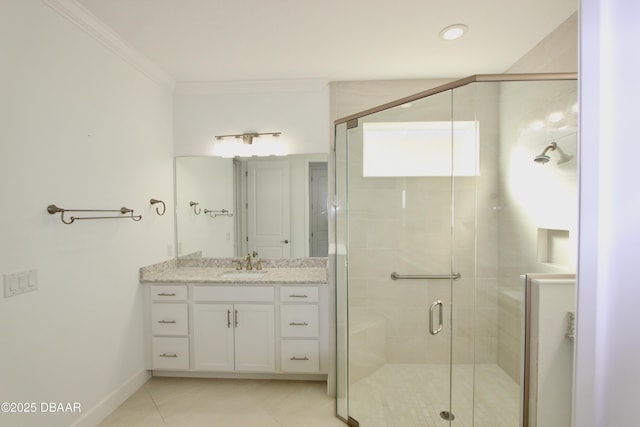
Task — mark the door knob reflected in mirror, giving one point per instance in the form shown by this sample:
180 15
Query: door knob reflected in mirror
284 241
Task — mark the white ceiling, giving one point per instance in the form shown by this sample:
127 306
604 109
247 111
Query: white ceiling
337 40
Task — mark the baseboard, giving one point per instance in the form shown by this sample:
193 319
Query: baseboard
240 375
102 409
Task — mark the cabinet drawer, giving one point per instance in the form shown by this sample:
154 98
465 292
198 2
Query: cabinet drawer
299 321
169 319
168 293
170 353
299 356
299 294
234 293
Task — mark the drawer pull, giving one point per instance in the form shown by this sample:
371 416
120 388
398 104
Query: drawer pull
173 294
298 324
298 296
166 321
228 319
168 355
299 358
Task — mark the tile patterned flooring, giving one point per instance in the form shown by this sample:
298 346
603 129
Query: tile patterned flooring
414 395
393 396
195 402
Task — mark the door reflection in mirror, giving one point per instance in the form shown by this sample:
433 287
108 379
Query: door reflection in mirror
279 206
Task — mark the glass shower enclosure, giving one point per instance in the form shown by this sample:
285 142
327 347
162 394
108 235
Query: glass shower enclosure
443 202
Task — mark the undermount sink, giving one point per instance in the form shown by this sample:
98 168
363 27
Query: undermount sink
239 274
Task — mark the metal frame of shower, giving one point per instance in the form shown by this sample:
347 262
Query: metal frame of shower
352 122
456 84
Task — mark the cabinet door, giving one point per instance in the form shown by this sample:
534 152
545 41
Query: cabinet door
213 337
254 338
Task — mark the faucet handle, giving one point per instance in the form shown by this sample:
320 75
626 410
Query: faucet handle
259 265
239 265
255 254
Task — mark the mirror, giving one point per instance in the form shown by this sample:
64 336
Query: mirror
275 206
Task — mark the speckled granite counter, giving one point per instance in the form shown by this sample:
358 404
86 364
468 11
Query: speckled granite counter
222 270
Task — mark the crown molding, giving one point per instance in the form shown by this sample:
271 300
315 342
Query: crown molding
253 86
88 22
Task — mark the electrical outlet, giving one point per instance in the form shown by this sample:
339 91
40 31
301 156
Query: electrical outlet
19 283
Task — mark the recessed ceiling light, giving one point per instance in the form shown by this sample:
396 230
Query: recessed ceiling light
453 32
556 116
537 125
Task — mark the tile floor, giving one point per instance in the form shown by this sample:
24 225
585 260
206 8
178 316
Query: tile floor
399 395
393 396
195 402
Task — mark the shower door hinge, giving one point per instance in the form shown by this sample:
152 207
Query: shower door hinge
353 123
352 422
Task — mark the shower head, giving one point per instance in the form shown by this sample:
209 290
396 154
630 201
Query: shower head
542 158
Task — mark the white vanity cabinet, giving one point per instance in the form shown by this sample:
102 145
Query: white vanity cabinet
275 330
169 327
233 337
299 329
236 336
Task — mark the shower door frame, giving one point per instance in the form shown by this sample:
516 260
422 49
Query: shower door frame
352 120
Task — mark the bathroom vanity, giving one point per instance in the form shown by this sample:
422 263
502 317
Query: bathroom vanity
205 318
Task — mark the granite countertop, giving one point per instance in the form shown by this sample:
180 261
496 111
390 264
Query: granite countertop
222 270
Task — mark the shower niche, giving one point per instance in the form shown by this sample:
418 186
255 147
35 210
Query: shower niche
442 340
553 247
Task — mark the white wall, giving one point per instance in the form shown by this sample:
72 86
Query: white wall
608 338
79 128
298 109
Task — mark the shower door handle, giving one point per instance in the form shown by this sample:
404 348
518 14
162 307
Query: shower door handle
432 308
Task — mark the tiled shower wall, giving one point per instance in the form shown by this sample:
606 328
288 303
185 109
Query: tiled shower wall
495 236
417 239
558 52
538 205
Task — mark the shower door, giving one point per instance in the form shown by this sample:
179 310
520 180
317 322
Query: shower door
398 175
441 190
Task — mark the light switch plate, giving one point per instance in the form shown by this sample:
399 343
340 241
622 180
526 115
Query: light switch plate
19 283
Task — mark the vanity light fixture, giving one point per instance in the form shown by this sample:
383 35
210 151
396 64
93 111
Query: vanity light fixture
247 138
230 146
453 32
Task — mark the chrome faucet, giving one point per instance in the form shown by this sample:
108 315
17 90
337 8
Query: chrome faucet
248 261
